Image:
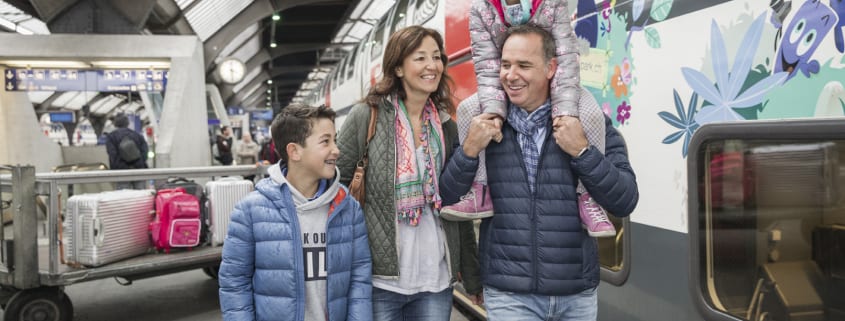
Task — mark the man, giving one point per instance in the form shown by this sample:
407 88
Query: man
224 146
127 150
537 263
247 150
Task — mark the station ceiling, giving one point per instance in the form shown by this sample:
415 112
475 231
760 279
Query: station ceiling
310 36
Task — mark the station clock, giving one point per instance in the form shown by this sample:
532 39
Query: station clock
231 70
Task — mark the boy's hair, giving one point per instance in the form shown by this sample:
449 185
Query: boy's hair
530 28
293 125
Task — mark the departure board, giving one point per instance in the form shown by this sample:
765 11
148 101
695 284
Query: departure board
108 80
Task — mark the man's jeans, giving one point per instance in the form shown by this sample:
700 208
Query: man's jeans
505 306
423 306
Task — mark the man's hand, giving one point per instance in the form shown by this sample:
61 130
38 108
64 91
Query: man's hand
482 129
569 135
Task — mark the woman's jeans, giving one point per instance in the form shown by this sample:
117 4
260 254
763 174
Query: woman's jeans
423 306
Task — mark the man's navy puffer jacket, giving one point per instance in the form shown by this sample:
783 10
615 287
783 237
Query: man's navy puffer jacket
535 243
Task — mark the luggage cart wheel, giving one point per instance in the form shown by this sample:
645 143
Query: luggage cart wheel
41 304
6 294
211 271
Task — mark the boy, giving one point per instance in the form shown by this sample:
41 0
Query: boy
297 247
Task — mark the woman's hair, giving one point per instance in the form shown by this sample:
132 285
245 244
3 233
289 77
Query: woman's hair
401 44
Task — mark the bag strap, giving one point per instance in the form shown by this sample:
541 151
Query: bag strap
371 131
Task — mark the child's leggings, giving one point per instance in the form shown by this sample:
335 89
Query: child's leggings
591 116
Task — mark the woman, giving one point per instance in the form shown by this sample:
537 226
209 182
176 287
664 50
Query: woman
417 257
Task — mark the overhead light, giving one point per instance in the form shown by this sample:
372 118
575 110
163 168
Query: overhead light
45 64
269 91
276 17
268 97
272 45
269 81
135 64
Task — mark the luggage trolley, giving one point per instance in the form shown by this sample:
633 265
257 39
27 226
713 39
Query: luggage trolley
32 273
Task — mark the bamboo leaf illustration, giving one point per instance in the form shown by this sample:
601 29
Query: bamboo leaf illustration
652 37
660 9
674 137
638 8
701 85
672 120
744 57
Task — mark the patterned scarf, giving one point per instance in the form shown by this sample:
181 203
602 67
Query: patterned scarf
526 126
414 190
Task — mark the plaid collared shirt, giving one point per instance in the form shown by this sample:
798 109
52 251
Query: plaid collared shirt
531 134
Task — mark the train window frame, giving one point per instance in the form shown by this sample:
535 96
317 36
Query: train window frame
806 131
378 42
422 16
333 78
350 64
401 7
341 71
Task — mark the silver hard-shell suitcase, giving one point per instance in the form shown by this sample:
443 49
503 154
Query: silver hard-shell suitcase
223 194
106 227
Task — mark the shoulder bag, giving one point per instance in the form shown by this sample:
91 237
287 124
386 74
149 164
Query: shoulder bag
356 186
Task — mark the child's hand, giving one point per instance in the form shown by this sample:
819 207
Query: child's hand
498 137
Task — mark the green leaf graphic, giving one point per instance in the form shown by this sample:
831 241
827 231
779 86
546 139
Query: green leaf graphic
660 9
652 37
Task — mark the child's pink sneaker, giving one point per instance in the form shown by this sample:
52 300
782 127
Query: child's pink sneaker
594 218
475 204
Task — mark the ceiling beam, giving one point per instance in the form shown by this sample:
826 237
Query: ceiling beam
261 78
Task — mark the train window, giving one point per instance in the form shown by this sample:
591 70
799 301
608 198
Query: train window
350 63
378 40
771 227
399 19
340 77
424 11
333 78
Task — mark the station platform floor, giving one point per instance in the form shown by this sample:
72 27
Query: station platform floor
185 296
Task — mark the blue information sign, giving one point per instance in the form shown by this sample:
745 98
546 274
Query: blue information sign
85 80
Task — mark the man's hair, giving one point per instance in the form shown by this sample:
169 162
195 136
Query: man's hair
294 123
530 28
223 128
400 45
121 121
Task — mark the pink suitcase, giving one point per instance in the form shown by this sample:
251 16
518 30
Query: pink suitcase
177 222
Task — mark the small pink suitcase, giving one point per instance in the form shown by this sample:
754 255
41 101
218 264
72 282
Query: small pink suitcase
177 222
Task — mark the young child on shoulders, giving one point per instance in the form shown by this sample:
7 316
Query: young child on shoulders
297 247
488 23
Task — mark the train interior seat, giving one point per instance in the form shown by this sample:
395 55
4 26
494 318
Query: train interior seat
829 254
791 292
